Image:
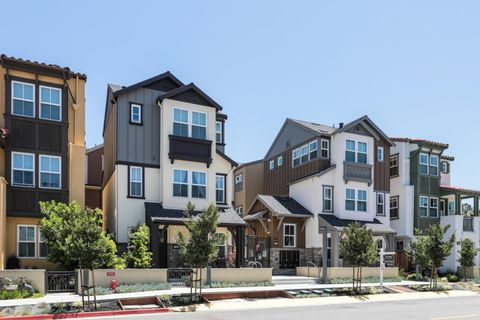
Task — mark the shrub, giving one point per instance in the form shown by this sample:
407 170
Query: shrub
426 288
138 254
138 287
241 284
365 280
411 277
453 278
13 294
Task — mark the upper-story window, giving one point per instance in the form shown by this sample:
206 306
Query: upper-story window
180 122
445 167
199 125
50 103
220 188
380 154
434 165
327 198
433 207
361 200
218 132
23 99
271 165
380 204
350 199
238 178
394 165
325 148
423 205
350 151
180 183
23 169
199 185
304 153
136 182
394 207
50 172
26 239
424 163
362 152
289 235
279 161
136 113
355 152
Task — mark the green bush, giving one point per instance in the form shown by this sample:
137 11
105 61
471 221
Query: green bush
452 278
426 287
364 280
138 287
241 284
138 251
13 294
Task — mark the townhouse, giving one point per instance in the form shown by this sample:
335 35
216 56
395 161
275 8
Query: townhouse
42 121
316 180
164 146
422 195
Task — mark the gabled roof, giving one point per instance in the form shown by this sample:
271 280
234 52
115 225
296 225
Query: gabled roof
164 76
318 128
366 120
421 141
190 93
223 155
282 206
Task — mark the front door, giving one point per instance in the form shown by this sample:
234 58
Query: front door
289 259
163 249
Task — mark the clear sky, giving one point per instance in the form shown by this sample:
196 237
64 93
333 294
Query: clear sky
412 66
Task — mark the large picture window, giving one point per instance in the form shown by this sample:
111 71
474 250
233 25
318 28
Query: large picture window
136 182
23 99
23 169
50 172
180 122
26 241
289 235
304 153
50 103
199 185
180 183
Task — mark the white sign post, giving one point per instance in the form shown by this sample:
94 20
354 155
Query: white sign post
382 264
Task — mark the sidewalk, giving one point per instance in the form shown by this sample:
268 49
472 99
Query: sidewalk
70 297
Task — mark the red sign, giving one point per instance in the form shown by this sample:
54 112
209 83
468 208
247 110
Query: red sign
111 274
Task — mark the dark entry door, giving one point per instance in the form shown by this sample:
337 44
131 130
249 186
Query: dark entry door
289 259
163 249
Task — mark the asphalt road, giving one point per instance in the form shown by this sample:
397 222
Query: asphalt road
457 308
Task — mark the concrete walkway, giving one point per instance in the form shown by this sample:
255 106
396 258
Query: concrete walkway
70 297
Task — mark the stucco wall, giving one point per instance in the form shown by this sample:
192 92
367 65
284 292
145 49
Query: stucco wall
340 272
35 276
103 277
3 222
241 274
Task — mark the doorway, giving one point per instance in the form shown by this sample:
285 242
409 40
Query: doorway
163 249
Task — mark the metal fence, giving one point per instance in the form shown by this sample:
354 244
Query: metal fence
61 281
468 224
179 276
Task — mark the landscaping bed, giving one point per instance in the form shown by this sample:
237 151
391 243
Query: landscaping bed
364 280
138 287
318 293
241 284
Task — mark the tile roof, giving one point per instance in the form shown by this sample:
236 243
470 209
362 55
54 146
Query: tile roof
420 141
459 189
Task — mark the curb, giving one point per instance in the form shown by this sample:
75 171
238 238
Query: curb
87 314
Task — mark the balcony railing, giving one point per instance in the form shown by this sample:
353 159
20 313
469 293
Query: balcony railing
190 149
361 172
468 224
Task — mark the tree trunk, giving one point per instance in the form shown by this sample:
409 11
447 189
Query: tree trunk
360 280
81 285
94 291
353 278
417 272
200 283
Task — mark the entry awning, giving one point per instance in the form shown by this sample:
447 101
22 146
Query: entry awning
338 224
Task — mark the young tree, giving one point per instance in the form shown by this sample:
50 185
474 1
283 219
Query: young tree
467 256
138 254
201 248
358 250
417 252
438 249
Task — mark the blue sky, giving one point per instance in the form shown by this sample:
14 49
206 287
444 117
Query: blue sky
412 66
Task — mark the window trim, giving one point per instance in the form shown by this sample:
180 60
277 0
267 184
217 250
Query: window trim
198 125
187 123
420 164
327 148
294 235
325 187
382 153
299 148
366 199
383 213
394 156
182 183
239 208
13 168
447 167
142 182
420 206
354 199
22 99
239 178
40 102
430 164
40 156
280 161
34 241
201 185
219 132
397 207
430 207
271 165
140 107
224 176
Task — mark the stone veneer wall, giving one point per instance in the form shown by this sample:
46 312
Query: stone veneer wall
275 259
313 255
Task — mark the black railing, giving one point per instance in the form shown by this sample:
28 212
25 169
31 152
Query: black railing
61 281
190 149
353 171
468 224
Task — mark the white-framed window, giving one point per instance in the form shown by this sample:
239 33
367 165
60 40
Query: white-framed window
289 235
23 99
180 122
50 172
220 188
238 178
218 132
304 153
394 165
221 240
445 167
199 125
380 154
380 204
312 150
451 207
199 184
279 161
23 169
42 246
350 199
434 165
180 183
362 200
355 151
50 103
327 198
423 163
136 182
394 212
362 152
26 241
423 205
350 151
239 210
136 113
325 148
433 207
271 165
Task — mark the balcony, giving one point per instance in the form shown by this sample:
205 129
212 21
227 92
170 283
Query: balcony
361 172
190 149
468 223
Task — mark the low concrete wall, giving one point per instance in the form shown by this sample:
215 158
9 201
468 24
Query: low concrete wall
35 276
471 272
241 274
338 272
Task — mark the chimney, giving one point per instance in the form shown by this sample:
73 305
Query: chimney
340 125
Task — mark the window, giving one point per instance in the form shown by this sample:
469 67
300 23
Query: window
399 245
280 161
23 99
219 132
135 113
434 165
50 103
221 241
380 154
379 244
288 235
451 207
136 182
239 210
350 151
199 185
304 154
50 168
42 246
327 199
361 200
350 199
199 125
180 122
445 167
26 241
434 207
271 165
394 207
325 148
312 147
180 183
220 188
239 178
423 204
380 204
394 166
362 152
23 169
423 163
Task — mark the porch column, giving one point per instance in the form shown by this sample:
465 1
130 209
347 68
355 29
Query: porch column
240 246
458 204
475 206
335 242
390 242
154 244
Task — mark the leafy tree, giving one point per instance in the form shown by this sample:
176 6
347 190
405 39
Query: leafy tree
417 252
467 256
358 250
201 248
138 254
438 249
